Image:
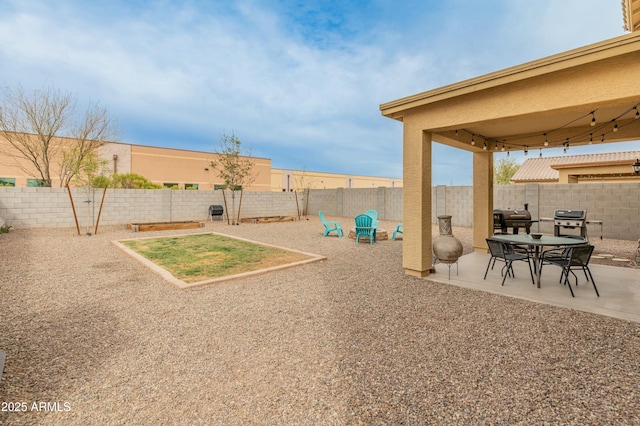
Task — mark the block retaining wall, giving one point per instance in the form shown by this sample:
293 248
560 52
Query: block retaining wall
616 204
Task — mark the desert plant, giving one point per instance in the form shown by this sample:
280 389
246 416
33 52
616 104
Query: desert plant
234 168
132 181
504 171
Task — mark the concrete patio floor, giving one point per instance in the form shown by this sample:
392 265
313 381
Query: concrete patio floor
619 287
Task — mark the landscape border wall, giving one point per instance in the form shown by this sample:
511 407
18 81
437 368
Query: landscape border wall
617 205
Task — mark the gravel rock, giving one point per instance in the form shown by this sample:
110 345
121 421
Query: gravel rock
93 337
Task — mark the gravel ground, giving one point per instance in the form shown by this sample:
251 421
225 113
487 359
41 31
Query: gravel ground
92 337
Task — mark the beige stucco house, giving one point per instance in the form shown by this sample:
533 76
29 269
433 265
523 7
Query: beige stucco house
604 167
565 98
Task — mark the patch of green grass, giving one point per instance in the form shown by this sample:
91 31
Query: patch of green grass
198 257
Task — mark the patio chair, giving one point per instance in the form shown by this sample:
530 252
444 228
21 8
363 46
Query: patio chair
505 253
374 216
570 259
365 228
330 226
399 230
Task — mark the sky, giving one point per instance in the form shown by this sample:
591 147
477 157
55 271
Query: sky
297 81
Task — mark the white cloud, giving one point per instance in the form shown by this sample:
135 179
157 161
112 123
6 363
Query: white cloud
301 86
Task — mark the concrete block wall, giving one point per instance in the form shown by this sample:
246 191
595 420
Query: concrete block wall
352 202
459 205
456 201
392 204
617 204
358 201
329 201
438 202
51 207
509 197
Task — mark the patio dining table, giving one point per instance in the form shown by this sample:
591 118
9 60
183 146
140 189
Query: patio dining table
545 240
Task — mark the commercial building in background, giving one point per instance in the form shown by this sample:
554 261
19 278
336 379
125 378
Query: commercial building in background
185 169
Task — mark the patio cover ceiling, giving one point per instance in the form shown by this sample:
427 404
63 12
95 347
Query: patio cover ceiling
553 99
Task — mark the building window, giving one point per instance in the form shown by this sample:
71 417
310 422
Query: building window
35 183
7 182
218 186
171 185
191 186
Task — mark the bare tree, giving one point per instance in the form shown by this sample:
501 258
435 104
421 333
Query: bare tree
42 129
234 168
306 183
87 135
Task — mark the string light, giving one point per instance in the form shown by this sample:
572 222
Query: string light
580 136
526 150
540 152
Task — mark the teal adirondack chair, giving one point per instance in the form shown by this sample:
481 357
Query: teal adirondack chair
399 230
376 222
365 228
374 216
330 226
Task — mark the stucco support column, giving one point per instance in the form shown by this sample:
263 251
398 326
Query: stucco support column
417 241
482 200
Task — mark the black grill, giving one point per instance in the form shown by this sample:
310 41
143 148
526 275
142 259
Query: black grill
215 210
503 219
569 219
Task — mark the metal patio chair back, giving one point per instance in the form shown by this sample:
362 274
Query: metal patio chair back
505 253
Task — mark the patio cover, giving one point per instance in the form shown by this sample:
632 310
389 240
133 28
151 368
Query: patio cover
539 104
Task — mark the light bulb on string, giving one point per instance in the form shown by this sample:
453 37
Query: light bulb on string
637 112
473 141
526 150
484 146
593 118
502 149
540 152
590 138
546 142
602 141
615 128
